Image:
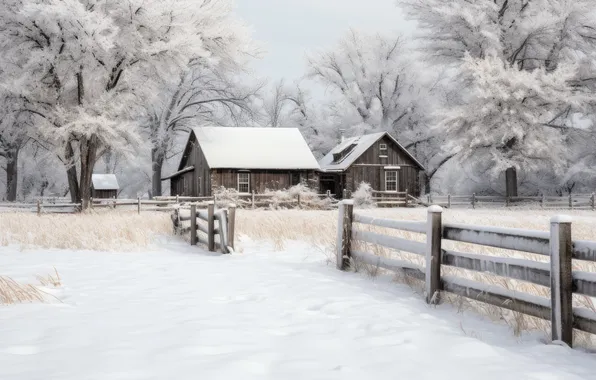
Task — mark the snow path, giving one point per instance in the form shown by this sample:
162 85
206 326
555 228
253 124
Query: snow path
179 313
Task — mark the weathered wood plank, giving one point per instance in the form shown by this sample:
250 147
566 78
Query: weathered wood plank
416 227
584 283
493 295
561 280
193 225
211 227
433 255
506 238
390 242
394 265
344 234
584 250
231 226
517 269
584 320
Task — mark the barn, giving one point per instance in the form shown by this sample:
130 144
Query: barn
245 159
104 186
377 159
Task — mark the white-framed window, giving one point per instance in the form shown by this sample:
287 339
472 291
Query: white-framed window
244 182
391 179
383 147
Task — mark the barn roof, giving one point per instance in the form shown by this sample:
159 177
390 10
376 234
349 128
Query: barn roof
255 148
354 148
105 182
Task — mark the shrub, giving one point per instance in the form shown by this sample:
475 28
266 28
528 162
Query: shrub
363 197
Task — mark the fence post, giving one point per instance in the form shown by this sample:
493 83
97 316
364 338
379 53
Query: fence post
428 199
474 200
561 279
406 197
38 207
211 227
139 205
177 199
543 201
299 203
592 201
253 199
434 234
231 225
344 234
570 202
448 200
90 204
193 224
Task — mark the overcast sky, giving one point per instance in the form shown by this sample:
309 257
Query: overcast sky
290 28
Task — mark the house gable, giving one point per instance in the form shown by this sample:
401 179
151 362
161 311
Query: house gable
393 155
366 150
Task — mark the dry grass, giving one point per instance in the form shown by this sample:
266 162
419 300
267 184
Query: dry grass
12 292
104 231
319 227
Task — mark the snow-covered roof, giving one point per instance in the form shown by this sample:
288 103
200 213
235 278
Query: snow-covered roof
185 170
105 182
255 148
360 145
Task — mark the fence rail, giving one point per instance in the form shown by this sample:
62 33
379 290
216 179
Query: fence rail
558 275
572 201
254 200
212 223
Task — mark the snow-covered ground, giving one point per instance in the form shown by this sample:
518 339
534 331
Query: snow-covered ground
177 312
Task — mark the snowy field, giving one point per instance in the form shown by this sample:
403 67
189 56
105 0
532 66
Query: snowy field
276 310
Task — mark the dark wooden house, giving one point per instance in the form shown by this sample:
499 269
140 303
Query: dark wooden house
244 159
377 159
104 186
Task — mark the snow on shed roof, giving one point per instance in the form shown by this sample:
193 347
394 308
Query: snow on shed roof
105 182
361 145
255 148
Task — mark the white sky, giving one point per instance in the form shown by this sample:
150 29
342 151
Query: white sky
290 28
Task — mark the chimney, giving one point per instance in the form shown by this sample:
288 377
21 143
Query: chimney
342 138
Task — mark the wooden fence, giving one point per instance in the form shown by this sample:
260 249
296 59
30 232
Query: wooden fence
558 275
254 200
393 199
571 201
204 221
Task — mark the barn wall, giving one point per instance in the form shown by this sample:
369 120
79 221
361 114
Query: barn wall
104 194
261 180
369 167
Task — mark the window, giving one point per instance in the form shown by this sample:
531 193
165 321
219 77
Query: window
383 147
391 181
244 182
294 178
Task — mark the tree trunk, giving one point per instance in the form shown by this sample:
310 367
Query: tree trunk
157 159
88 148
71 174
12 171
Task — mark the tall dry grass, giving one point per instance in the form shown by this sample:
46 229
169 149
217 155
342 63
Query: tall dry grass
319 227
12 292
104 231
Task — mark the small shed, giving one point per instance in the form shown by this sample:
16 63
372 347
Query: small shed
104 186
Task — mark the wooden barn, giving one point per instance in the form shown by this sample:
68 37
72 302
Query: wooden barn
245 159
377 159
104 186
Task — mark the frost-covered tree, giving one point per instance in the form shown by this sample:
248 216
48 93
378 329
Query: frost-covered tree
203 94
503 119
374 83
526 41
82 64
